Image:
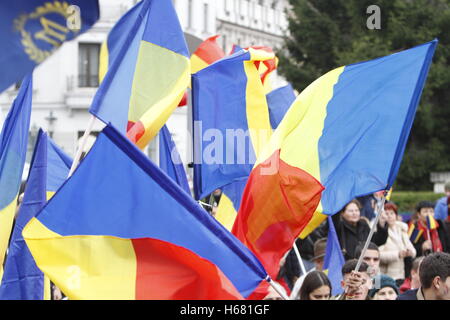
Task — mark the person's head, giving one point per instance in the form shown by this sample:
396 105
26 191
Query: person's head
371 257
351 213
434 275
391 213
316 286
347 268
272 294
384 288
320 247
415 279
447 188
423 209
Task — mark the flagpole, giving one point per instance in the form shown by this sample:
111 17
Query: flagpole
372 230
77 157
299 257
277 288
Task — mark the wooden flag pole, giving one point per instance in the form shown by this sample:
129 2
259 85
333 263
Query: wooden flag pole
372 230
77 157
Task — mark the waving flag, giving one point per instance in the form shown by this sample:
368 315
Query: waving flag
334 259
49 168
13 149
346 131
148 71
414 233
119 228
206 53
431 222
170 161
33 30
230 106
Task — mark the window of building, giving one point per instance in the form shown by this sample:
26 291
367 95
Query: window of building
88 62
190 12
205 17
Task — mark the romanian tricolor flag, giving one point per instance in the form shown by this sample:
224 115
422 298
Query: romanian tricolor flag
148 71
279 101
13 149
414 233
119 228
49 168
230 111
347 132
431 222
31 31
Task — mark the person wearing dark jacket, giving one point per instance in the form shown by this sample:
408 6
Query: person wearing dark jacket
352 230
430 240
434 273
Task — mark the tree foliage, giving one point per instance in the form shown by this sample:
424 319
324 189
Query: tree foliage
325 34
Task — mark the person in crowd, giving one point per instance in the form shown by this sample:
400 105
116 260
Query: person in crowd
397 247
320 247
413 281
316 286
352 230
371 257
434 273
384 288
356 284
442 207
430 240
369 203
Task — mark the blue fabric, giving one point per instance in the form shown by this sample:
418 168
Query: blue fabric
118 191
164 29
334 259
170 161
111 101
367 125
441 209
15 63
219 106
279 101
13 143
22 279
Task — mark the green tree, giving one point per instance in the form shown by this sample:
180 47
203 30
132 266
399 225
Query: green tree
325 34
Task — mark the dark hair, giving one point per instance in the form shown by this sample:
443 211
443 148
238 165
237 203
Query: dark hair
350 265
424 204
391 206
359 248
313 281
434 265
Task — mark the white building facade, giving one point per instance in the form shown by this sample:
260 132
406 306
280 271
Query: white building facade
65 84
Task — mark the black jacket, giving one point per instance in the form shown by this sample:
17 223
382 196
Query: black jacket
352 236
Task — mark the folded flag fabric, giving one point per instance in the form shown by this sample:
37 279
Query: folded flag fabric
230 110
33 30
148 71
206 53
119 228
13 150
170 160
334 259
22 279
332 136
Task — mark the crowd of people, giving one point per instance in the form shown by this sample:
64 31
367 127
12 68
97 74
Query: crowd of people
404 261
